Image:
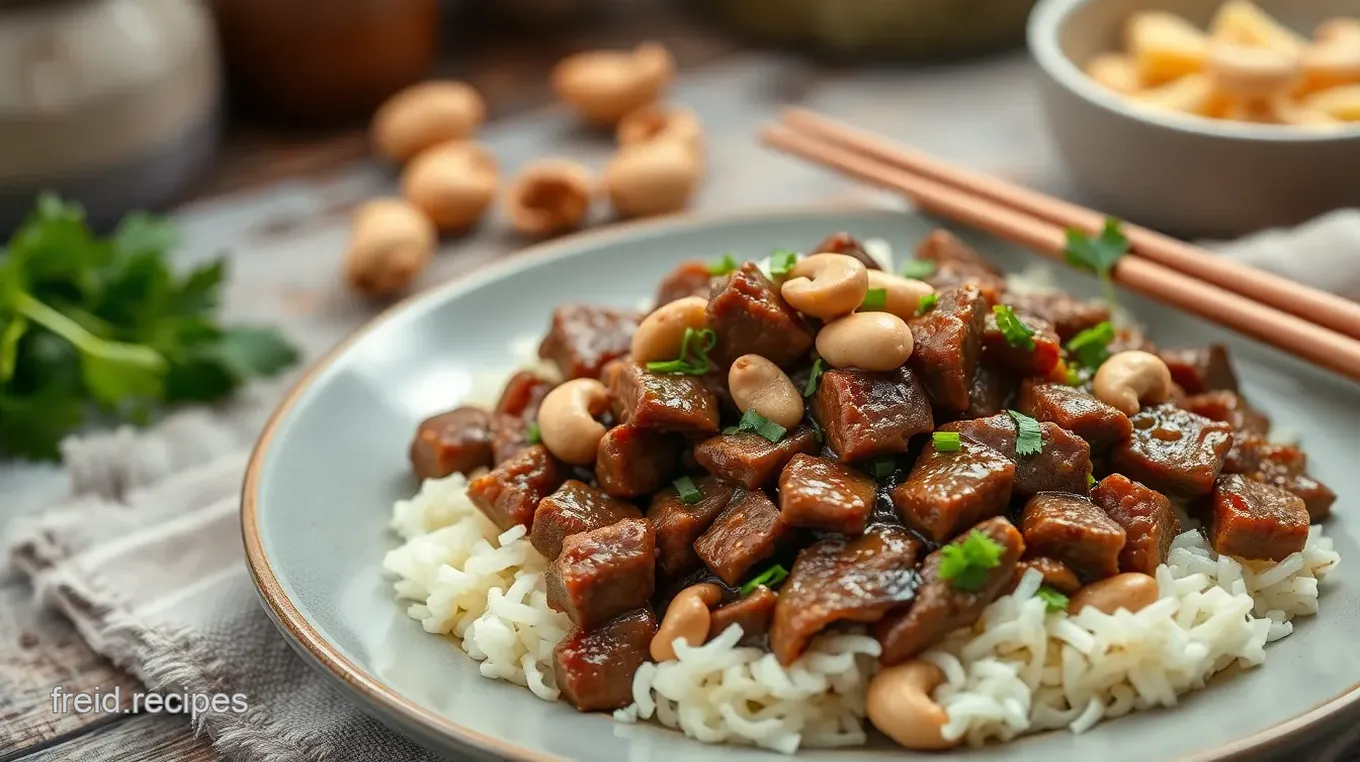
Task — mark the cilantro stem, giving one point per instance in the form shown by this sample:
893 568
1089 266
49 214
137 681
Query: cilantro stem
89 344
1107 289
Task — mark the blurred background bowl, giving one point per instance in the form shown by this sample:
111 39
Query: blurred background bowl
1183 174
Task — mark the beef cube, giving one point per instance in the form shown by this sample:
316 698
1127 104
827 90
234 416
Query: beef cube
603 573
458 440
751 460
1197 371
843 579
948 492
510 493
678 524
818 493
1230 408
632 461
584 338
574 508
1073 530
1316 496
1253 520
844 243
1043 361
595 668
1101 425
941 606
957 264
990 391
753 613
1057 574
865 414
1067 315
749 316
947 341
690 278
1061 466
509 437
747 532
522 395
1173 451
1149 521
662 401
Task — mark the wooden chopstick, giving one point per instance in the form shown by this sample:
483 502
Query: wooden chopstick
1311 304
1289 333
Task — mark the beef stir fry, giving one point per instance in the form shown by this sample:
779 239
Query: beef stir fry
823 444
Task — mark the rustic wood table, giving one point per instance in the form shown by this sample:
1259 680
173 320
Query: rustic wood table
279 203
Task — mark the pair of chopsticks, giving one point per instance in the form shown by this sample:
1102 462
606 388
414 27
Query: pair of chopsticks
1310 324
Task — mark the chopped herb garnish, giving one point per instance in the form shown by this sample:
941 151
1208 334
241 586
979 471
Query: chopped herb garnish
947 441
883 467
817 431
781 262
965 563
769 578
1073 376
1090 480
723 266
532 435
1098 254
1091 347
927 303
818 368
918 269
693 359
689 494
1055 600
1017 334
875 299
755 422
1030 439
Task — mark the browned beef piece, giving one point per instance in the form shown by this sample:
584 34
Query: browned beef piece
819 493
753 613
1230 408
865 414
1254 520
1043 361
604 572
1173 451
458 440
843 579
751 460
1101 425
509 493
747 532
1073 530
633 461
678 524
990 391
956 264
690 278
662 401
749 316
1057 574
595 668
948 492
1280 465
942 607
1061 466
574 508
1149 521
509 437
1316 496
844 243
522 395
1067 315
583 338
947 342
1197 371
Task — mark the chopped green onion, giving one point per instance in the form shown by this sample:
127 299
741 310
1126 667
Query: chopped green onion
1090 480
965 562
753 421
874 299
818 368
1030 439
689 494
1016 332
781 262
947 441
883 467
693 359
817 431
769 578
927 303
1098 254
532 435
1054 600
727 264
919 269
1092 346
730 430
1073 376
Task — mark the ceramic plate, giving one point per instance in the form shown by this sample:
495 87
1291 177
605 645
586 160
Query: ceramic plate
333 459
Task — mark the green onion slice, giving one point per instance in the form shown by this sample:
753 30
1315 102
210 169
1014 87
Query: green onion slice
874 299
689 494
918 269
927 303
947 441
769 578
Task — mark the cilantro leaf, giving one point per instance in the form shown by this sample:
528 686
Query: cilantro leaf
1091 346
1054 600
1098 254
723 266
13 330
255 351
782 262
965 562
1014 330
1029 439
32 426
197 291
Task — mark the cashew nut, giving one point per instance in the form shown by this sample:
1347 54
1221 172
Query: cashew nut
566 420
865 340
658 122
898 703
603 86
1131 378
903 295
687 617
1251 72
425 115
1334 59
452 184
390 243
660 335
549 196
758 384
1131 591
654 177
826 285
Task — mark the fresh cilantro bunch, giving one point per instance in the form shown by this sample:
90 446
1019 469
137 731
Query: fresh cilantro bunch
102 328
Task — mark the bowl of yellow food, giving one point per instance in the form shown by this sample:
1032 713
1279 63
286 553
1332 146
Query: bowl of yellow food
1205 117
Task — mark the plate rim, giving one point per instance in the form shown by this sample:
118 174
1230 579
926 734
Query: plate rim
325 655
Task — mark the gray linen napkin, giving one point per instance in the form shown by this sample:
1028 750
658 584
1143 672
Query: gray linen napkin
145 556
